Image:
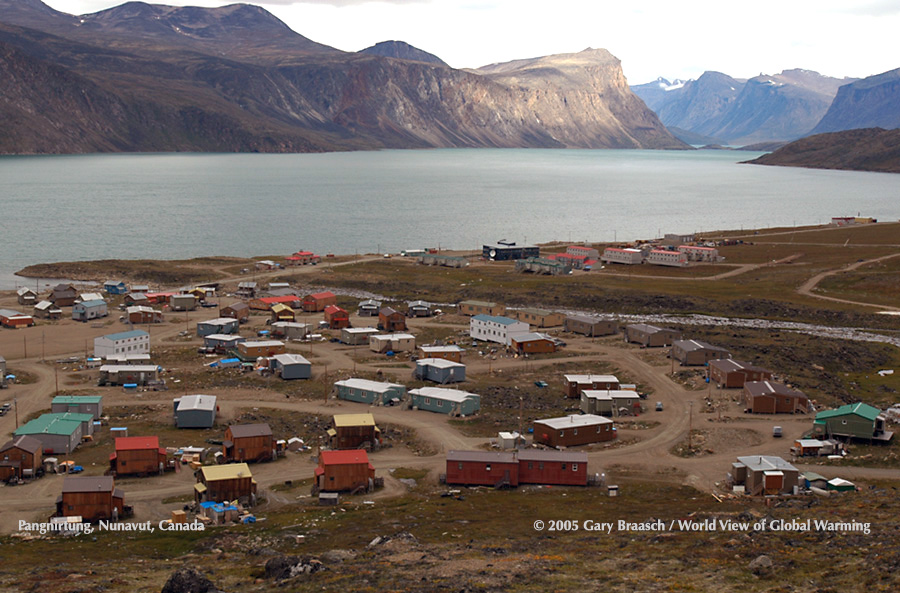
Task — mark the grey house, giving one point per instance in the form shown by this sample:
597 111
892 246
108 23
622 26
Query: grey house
418 309
695 352
439 370
292 366
445 401
222 325
650 335
355 336
195 411
183 302
86 310
78 404
591 326
369 308
370 392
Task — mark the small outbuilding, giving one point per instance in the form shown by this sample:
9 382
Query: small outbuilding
139 456
248 443
90 497
292 366
354 431
20 457
225 483
221 325
390 320
341 471
195 411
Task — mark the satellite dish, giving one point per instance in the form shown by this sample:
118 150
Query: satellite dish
493 253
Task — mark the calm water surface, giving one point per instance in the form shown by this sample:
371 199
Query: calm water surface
58 208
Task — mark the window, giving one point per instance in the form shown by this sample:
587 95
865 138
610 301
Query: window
487 467
844 421
575 432
564 467
541 465
574 467
530 465
599 428
459 466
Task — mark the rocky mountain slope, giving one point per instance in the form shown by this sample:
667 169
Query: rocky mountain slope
402 51
870 102
765 108
153 78
870 149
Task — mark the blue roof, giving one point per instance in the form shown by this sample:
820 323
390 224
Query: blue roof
495 319
94 303
125 335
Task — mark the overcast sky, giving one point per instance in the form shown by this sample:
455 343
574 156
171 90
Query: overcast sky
653 38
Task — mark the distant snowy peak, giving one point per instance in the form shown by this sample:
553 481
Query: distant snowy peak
670 86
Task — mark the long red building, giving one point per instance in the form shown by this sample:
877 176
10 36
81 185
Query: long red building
531 466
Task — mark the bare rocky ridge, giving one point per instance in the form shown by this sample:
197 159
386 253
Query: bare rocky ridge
152 78
872 149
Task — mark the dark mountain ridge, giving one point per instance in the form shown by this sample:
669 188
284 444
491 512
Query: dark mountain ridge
870 149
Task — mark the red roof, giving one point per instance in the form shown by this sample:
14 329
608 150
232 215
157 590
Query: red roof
696 247
334 309
304 253
349 457
136 443
321 295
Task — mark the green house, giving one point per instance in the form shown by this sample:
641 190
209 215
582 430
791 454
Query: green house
858 421
370 392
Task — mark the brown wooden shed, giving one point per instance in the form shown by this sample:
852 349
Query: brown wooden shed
248 442
90 497
344 470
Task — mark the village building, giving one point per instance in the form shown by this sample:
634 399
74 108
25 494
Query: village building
447 261
499 330
128 359
552 468
316 303
507 251
370 392
392 343
267 303
341 471
63 295
140 314
259 348
160 298
650 335
302 258
355 336
853 421
2 372
439 370
390 320
21 458
675 239
452 353
88 310
249 443
575 384
575 262
221 325
90 497
533 344
418 309
354 431
807 447
124 374
764 475
769 397
89 296
224 483
183 302
540 317
78 404
664 257
336 317
140 288
26 296
543 265
616 255
239 311
222 343
613 402
444 401
482 468
583 251
730 373
14 319
136 298
195 411
472 308
291 330
246 290
58 433
590 326
570 431
699 254
695 352
115 287
291 366
131 342
283 313
368 308
137 456
47 310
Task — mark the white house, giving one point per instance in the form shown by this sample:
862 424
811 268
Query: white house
132 342
615 255
496 329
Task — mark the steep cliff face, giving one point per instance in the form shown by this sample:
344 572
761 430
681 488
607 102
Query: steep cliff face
870 102
292 94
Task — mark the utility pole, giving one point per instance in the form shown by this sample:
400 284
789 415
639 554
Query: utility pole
16 406
25 346
690 425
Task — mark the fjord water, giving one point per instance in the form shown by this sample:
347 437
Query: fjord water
63 208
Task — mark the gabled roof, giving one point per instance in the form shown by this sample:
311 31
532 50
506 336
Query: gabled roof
229 471
770 388
77 399
694 345
367 385
574 421
341 420
321 295
334 309
241 431
23 442
136 443
496 319
860 409
88 484
348 457
729 364
765 463
197 402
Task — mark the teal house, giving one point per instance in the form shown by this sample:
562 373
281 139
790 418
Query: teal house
445 401
857 421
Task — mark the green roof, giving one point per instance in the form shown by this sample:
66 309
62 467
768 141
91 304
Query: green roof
64 424
864 410
77 399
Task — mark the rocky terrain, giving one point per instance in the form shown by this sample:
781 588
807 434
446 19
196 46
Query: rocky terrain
868 103
140 77
872 149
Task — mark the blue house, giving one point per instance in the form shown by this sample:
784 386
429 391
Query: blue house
113 287
445 401
89 310
370 392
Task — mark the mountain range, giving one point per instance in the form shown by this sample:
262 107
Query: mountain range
142 77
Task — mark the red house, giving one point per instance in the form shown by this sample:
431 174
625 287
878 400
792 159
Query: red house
344 470
557 468
317 302
390 320
302 258
336 317
137 456
482 468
